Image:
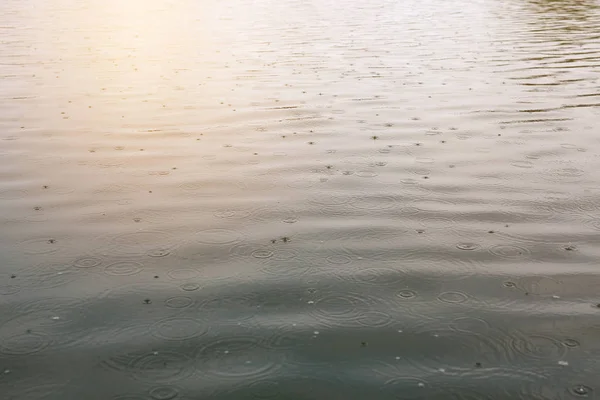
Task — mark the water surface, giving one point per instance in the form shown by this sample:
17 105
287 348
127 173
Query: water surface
299 199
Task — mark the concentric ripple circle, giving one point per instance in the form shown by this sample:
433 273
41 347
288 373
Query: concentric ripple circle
164 393
538 347
453 297
239 357
160 367
124 268
87 262
467 246
509 251
178 329
23 343
341 309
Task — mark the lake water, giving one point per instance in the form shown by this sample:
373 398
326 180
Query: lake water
258 199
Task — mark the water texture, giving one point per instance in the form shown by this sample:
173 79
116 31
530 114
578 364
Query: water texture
299 200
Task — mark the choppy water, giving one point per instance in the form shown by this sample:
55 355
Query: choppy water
299 199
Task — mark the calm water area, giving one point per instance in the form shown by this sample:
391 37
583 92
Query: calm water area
299 199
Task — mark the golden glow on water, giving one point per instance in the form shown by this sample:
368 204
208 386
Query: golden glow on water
124 61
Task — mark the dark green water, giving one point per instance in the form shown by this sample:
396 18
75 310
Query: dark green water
299 200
